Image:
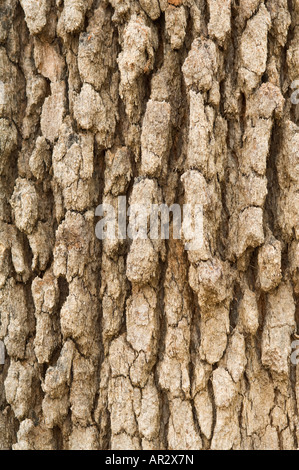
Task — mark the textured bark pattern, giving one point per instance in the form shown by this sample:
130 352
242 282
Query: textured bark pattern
143 345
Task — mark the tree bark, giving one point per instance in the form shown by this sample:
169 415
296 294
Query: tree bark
121 344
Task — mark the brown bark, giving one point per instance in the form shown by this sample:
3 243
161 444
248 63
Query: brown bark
144 345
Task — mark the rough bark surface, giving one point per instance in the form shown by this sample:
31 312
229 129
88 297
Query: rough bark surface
143 345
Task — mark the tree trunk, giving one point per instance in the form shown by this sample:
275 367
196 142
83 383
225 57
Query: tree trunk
143 344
